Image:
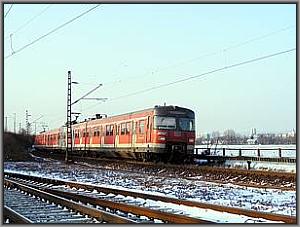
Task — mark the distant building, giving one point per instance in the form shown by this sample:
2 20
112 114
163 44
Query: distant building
252 137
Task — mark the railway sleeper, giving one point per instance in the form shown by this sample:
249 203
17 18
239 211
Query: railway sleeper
72 205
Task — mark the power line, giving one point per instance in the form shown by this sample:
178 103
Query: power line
197 76
239 44
53 30
8 10
201 75
30 20
191 77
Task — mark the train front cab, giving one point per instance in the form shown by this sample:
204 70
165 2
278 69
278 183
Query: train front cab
174 129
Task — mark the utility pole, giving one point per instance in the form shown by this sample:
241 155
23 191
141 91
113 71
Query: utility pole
20 128
35 121
5 124
15 119
69 147
69 119
27 123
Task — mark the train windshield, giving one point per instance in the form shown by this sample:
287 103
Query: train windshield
186 124
161 122
182 124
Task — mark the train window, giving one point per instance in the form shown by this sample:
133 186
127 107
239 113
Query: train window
98 133
95 133
142 126
161 122
84 134
107 130
87 134
128 127
123 129
111 130
148 122
186 124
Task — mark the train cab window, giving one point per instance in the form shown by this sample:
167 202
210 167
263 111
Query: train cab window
186 124
123 129
142 126
162 122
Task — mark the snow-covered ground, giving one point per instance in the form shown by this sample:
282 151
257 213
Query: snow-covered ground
267 166
267 200
289 151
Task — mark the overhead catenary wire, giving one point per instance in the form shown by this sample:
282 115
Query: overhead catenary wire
8 10
210 54
30 20
200 75
53 30
193 77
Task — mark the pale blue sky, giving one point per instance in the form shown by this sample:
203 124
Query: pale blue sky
131 47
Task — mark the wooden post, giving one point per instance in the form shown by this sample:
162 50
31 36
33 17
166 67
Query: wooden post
249 162
240 152
224 151
280 154
258 152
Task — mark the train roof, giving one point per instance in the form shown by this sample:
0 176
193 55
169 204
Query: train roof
158 110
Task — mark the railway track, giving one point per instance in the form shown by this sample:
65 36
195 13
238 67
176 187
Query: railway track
24 204
140 207
241 177
189 169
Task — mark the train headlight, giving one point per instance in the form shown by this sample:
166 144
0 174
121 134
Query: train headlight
162 133
191 140
162 138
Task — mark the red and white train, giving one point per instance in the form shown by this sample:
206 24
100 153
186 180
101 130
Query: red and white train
162 133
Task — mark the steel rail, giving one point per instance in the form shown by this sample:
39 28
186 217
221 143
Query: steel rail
102 215
169 217
254 214
142 211
14 216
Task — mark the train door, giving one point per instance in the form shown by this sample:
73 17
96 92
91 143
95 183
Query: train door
113 134
141 132
62 139
102 129
116 136
148 130
109 140
133 139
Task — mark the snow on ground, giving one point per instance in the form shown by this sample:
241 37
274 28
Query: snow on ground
289 151
267 200
268 166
